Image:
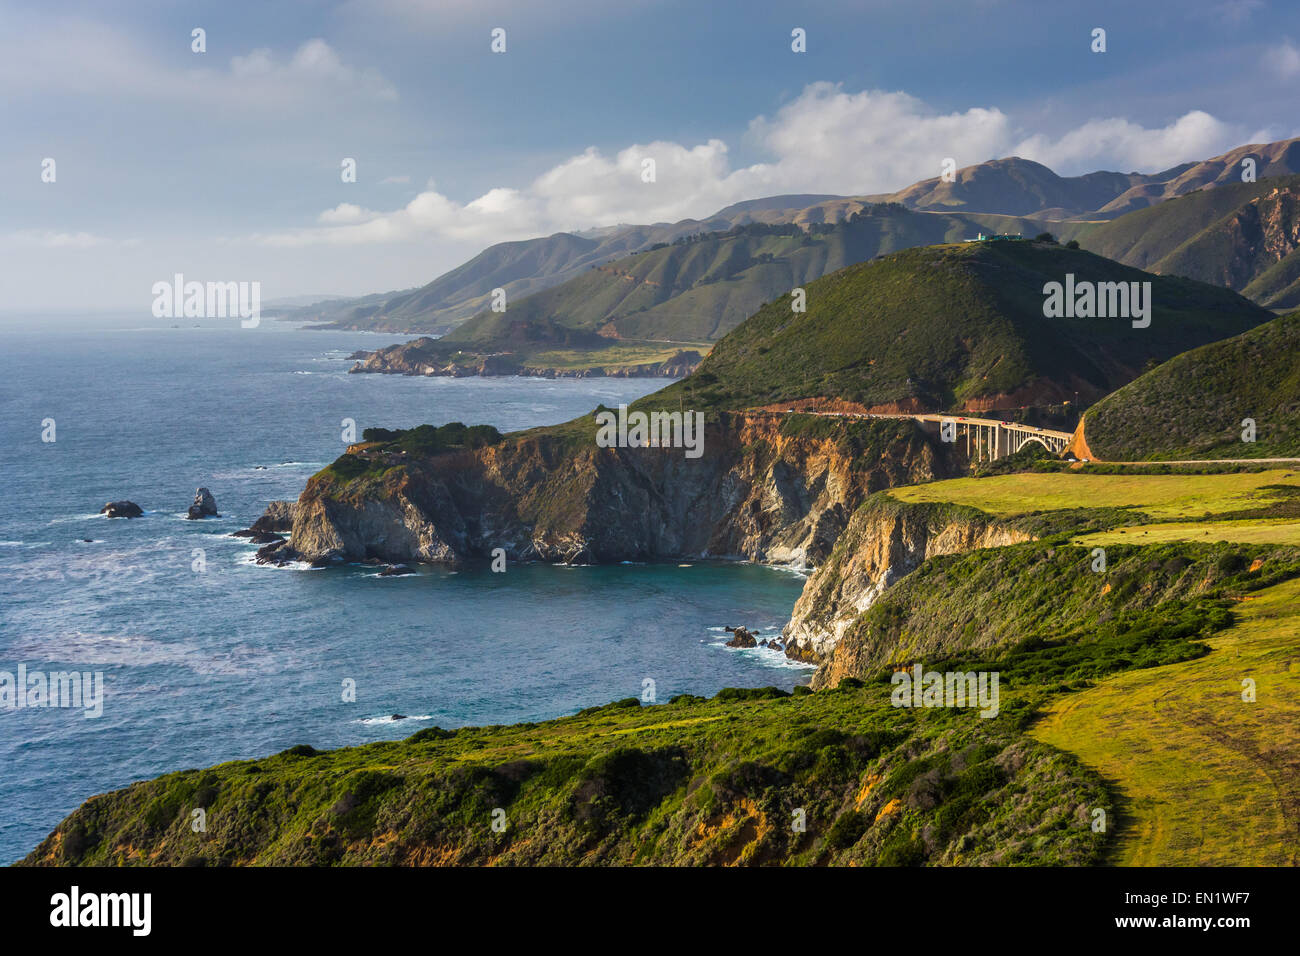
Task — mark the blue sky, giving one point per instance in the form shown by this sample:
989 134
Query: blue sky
225 165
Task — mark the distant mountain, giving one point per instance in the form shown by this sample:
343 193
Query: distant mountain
955 327
521 269
1009 194
1021 187
1193 405
1245 236
689 292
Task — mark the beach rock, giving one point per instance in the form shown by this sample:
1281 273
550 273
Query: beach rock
398 717
278 517
278 553
743 637
205 506
395 570
122 509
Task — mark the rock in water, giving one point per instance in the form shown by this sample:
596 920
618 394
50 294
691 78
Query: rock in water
278 553
122 509
277 520
743 638
395 570
205 506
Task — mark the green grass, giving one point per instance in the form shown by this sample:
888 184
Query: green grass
719 781
1170 497
621 354
942 325
1202 777
1193 405
1283 531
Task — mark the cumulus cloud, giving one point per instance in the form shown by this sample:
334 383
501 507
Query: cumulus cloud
825 140
345 212
1118 143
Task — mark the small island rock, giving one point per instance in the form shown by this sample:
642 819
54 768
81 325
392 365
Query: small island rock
122 509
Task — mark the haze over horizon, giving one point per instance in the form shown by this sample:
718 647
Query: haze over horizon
225 165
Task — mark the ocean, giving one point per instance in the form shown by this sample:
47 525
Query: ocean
208 657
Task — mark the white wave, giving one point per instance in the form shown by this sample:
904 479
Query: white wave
70 518
250 559
391 720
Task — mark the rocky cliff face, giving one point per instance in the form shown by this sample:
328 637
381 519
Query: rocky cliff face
762 490
1262 233
884 541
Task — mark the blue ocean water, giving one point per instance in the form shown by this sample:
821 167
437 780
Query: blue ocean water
238 661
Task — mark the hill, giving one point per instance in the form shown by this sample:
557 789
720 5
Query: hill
1245 236
955 327
521 268
689 292
1192 406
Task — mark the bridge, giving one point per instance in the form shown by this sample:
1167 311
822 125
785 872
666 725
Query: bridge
986 439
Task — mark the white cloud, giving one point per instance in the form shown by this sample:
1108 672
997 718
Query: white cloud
345 212
1283 59
1118 143
825 140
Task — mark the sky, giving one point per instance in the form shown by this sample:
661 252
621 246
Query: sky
227 164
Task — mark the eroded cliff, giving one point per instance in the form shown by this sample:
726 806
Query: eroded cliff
777 489
884 540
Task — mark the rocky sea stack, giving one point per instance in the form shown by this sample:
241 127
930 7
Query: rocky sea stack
205 506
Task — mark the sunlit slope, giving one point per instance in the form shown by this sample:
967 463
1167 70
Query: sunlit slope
1195 405
1204 777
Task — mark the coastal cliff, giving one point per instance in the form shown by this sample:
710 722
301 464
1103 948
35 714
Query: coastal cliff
884 541
776 489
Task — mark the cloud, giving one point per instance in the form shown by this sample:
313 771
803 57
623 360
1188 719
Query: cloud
826 140
1236 12
868 142
1119 143
87 58
53 239
1283 60
314 63
346 212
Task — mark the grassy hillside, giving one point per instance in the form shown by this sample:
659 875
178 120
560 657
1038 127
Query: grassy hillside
749 777
700 289
1245 236
1202 777
954 326
1138 671
1199 775
1192 406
